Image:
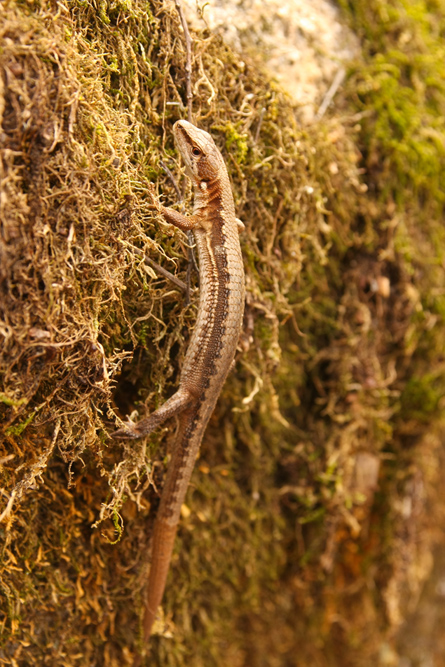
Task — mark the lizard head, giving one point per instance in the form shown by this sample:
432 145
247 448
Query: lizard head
202 158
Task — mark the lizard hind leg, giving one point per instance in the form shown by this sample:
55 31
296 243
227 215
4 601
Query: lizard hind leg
173 406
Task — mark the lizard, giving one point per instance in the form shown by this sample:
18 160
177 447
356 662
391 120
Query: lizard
213 343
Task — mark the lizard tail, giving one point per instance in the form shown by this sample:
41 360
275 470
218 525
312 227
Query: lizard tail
163 541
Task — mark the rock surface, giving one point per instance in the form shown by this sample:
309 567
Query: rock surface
303 44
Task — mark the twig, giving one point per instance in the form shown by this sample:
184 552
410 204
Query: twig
157 267
204 79
188 61
160 269
7 511
173 180
191 247
188 82
192 263
260 122
338 79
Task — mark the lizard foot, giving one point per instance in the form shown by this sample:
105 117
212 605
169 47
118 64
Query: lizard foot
132 430
128 432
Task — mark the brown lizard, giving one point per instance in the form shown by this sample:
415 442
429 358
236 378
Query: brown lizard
213 343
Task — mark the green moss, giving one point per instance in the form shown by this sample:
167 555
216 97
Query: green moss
314 515
236 142
6 400
18 429
280 545
402 84
421 396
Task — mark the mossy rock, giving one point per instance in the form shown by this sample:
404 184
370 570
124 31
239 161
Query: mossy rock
308 525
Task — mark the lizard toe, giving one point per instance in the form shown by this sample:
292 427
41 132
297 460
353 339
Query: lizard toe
127 433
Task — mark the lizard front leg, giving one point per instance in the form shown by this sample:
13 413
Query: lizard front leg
184 222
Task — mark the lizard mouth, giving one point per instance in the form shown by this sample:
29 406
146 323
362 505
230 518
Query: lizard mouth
180 132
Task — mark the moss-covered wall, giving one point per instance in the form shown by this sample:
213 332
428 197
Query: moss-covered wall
314 506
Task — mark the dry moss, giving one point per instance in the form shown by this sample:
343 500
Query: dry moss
284 542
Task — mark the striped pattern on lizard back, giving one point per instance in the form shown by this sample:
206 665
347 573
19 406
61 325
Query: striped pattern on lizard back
213 343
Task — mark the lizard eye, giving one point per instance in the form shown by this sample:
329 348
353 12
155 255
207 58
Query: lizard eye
196 152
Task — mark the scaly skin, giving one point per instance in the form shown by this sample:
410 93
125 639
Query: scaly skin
213 344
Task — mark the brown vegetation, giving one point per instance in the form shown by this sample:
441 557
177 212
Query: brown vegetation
309 523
